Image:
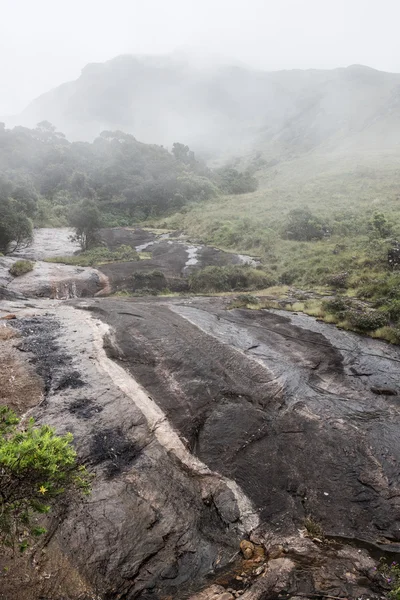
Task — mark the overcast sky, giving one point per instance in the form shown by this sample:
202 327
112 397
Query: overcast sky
46 42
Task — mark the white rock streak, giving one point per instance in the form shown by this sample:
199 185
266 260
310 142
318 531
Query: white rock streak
162 428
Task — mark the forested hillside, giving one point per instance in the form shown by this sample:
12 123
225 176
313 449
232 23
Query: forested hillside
43 176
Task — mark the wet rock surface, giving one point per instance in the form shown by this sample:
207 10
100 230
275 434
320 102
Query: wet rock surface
48 280
213 434
49 242
170 261
286 420
150 525
173 257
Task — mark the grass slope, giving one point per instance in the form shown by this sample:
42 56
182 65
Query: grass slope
344 192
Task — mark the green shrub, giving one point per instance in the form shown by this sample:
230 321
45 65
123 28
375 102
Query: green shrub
336 306
149 283
314 529
338 280
366 320
116 220
289 276
384 286
391 578
379 225
302 225
36 468
392 309
21 267
230 278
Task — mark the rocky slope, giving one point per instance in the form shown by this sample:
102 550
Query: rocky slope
167 265
206 426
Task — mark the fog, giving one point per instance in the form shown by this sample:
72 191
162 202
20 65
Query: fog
46 43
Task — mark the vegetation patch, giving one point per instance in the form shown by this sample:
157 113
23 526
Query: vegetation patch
365 321
230 278
37 467
390 574
115 177
21 267
98 256
148 283
245 301
313 528
342 311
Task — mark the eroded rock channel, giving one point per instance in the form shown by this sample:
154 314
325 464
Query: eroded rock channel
206 426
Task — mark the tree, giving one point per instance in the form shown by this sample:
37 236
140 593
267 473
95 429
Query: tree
15 227
17 204
37 467
46 126
86 220
183 153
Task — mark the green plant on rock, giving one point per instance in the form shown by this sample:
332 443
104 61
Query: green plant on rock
37 468
314 529
391 578
21 267
149 282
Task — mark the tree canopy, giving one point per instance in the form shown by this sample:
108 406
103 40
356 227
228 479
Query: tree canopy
48 177
16 205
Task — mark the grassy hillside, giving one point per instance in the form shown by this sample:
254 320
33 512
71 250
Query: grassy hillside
355 200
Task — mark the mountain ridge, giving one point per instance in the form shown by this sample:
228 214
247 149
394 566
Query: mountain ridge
227 109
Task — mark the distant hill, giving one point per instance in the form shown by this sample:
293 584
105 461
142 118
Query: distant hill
227 109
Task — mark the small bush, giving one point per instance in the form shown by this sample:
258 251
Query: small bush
149 283
314 529
338 280
36 468
336 306
248 299
231 278
289 276
244 300
366 321
302 225
385 286
392 309
21 267
391 578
